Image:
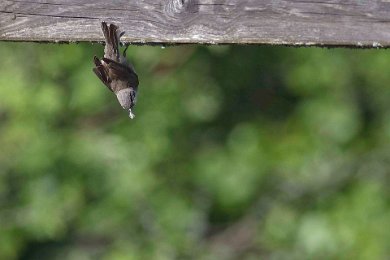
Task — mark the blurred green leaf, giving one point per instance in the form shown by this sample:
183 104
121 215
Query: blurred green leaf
237 152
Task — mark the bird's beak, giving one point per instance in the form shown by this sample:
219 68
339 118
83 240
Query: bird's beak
131 115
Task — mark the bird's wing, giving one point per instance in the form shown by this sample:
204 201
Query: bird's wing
122 72
101 72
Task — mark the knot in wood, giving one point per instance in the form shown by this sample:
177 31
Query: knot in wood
175 7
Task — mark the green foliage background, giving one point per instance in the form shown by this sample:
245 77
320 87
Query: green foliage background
241 152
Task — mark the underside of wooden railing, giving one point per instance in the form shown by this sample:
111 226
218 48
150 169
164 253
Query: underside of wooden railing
354 23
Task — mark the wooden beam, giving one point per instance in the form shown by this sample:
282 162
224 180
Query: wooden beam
287 22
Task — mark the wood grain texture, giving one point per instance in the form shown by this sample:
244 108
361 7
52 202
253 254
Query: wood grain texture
362 23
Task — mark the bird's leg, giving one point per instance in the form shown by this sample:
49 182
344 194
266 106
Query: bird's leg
124 52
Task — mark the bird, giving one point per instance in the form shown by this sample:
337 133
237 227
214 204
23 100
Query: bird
116 73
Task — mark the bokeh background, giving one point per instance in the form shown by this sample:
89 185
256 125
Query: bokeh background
236 152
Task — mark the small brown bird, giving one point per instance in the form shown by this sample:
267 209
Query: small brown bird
115 71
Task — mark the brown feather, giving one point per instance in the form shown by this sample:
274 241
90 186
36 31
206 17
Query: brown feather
97 61
101 72
105 30
121 71
114 40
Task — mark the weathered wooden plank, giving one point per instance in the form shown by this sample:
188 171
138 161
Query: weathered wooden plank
291 22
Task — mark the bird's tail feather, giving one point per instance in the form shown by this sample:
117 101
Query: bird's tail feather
111 35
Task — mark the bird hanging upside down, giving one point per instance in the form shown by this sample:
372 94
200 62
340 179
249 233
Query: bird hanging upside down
115 72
